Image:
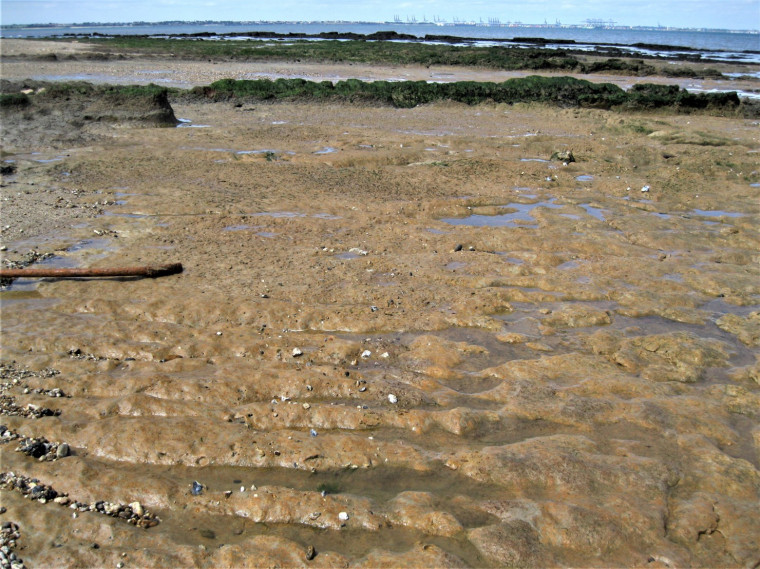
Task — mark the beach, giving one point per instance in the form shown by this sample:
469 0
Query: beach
441 336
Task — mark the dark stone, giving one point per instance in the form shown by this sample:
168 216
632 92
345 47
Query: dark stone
35 449
208 534
311 553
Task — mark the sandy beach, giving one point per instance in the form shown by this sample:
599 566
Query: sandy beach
402 337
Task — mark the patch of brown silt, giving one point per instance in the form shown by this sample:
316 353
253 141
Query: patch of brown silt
401 338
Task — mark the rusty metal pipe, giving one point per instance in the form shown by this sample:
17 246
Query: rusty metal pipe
156 271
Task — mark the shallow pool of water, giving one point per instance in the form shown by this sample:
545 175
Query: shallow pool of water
522 216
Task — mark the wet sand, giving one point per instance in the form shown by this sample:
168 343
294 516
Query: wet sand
403 337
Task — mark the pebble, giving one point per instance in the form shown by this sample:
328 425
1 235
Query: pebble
392 398
366 354
645 189
311 553
39 448
137 508
343 516
196 488
306 406
62 451
297 352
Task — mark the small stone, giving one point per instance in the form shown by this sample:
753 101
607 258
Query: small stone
196 488
227 493
343 516
62 451
297 352
137 508
392 398
313 433
311 553
645 189
366 354
458 248
306 406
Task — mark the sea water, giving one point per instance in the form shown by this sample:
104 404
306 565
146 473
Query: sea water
708 41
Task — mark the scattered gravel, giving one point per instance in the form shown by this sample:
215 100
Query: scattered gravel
133 513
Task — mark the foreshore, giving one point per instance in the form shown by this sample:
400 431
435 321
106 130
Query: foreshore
32 59
441 336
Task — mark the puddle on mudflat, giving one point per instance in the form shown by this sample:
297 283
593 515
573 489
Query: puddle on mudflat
593 211
568 265
377 483
521 217
716 213
92 244
127 215
293 214
533 160
720 306
584 178
187 123
278 214
327 150
240 227
267 234
215 531
513 260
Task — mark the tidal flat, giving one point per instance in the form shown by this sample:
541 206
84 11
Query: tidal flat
403 337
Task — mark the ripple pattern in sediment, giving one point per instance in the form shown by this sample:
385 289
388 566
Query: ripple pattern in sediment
354 389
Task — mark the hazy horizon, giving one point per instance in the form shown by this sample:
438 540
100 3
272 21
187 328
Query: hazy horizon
713 14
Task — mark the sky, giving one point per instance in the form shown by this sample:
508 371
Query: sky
725 14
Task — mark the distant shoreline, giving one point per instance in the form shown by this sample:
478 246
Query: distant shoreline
582 26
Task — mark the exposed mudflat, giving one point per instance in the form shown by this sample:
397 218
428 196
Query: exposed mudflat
402 338
73 61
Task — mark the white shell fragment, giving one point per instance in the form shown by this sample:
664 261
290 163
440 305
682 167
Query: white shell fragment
392 398
645 189
343 516
297 352
366 354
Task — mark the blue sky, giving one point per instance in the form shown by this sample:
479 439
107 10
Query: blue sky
728 14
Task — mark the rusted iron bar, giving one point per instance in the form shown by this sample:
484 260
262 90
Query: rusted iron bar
156 271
